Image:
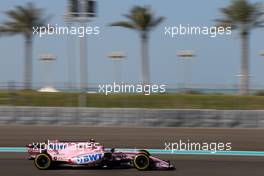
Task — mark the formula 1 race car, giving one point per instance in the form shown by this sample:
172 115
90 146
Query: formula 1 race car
91 154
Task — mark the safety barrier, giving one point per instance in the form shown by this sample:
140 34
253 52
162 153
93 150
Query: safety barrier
132 117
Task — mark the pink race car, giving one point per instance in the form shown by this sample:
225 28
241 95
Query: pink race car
91 154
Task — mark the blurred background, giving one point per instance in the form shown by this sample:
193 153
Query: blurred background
191 66
214 86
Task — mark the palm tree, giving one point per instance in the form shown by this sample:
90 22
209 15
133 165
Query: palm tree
21 20
142 20
244 16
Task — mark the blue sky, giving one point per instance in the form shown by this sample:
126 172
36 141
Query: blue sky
217 60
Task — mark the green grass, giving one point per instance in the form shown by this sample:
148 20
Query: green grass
174 101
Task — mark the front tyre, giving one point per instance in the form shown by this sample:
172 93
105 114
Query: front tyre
141 162
144 152
43 161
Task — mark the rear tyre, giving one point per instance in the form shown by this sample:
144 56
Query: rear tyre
141 162
43 161
107 162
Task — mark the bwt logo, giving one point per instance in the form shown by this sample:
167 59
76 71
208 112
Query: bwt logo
89 158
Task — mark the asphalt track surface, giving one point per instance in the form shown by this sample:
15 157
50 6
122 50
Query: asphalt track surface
15 164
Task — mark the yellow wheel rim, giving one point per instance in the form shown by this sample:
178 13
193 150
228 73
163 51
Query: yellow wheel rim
145 165
46 165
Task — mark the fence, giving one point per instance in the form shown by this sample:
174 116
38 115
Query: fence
132 117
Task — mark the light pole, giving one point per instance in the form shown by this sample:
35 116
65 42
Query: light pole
261 53
70 50
117 57
81 11
186 56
